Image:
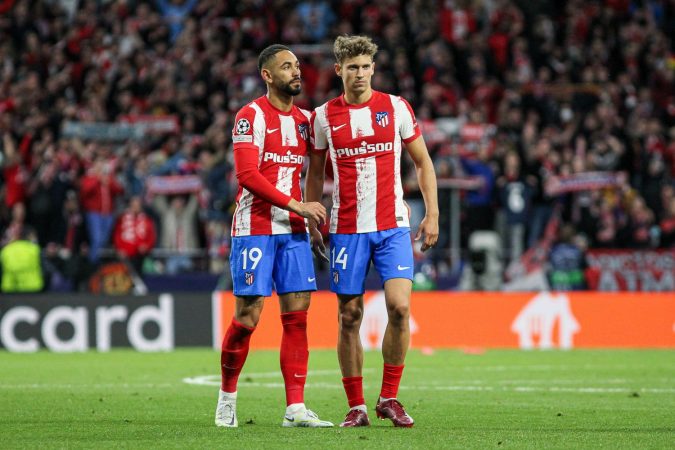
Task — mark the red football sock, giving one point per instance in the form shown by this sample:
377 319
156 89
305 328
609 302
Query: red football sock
391 378
354 390
233 354
294 354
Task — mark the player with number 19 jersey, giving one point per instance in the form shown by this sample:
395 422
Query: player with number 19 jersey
365 142
270 147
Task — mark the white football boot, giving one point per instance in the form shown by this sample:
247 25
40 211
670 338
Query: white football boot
226 410
297 415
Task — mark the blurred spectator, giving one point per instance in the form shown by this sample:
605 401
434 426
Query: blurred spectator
480 203
567 261
20 265
515 195
98 192
317 18
667 226
178 235
69 257
16 225
175 12
134 234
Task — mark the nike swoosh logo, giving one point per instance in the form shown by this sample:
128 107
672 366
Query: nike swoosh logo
337 127
300 376
271 130
311 279
400 267
290 419
231 421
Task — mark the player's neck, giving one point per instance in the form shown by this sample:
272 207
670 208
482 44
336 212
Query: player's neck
281 102
353 98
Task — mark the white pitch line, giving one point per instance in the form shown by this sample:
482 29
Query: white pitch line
88 386
214 380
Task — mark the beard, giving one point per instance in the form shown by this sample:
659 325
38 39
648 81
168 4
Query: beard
290 90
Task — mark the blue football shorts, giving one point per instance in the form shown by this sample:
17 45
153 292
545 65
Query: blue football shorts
351 254
258 262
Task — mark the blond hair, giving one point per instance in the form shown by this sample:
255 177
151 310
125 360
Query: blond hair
351 46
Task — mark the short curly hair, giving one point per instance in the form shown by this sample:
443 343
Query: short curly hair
351 46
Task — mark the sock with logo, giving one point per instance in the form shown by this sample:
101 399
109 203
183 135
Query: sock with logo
233 354
294 355
354 390
391 378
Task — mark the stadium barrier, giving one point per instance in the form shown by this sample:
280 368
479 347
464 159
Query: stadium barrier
73 323
67 323
487 320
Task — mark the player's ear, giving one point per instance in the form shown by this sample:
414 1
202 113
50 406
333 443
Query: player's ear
338 69
266 75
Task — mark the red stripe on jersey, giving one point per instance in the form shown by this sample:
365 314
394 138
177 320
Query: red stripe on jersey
347 187
386 198
297 222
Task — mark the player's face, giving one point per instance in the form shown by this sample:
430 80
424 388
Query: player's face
284 70
356 73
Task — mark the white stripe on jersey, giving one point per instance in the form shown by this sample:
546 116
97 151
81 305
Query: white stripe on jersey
281 222
289 135
399 120
361 121
325 139
259 130
243 214
366 195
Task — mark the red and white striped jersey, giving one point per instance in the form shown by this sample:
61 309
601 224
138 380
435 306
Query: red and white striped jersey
280 141
365 144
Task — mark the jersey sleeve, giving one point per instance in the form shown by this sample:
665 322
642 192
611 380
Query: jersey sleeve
248 138
249 130
409 130
319 139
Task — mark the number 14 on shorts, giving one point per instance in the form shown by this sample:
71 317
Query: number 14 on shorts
341 258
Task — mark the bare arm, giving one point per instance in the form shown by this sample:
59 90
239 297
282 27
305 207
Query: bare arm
315 176
313 193
427 182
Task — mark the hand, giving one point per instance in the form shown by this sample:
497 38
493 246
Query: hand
429 228
318 247
314 211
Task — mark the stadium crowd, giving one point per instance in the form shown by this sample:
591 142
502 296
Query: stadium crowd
542 95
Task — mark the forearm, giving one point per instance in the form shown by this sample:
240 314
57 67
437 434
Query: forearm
314 188
315 178
427 183
254 182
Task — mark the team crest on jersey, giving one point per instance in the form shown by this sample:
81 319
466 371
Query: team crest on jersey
336 276
303 130
243 126
382 118
249 277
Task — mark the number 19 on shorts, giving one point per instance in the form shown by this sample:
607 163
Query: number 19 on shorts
341 258
253 255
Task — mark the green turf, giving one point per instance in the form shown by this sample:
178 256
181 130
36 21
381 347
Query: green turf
499 399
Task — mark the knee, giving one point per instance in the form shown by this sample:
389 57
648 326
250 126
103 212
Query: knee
399 313
350 318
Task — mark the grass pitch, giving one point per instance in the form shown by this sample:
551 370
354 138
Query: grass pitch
499 399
